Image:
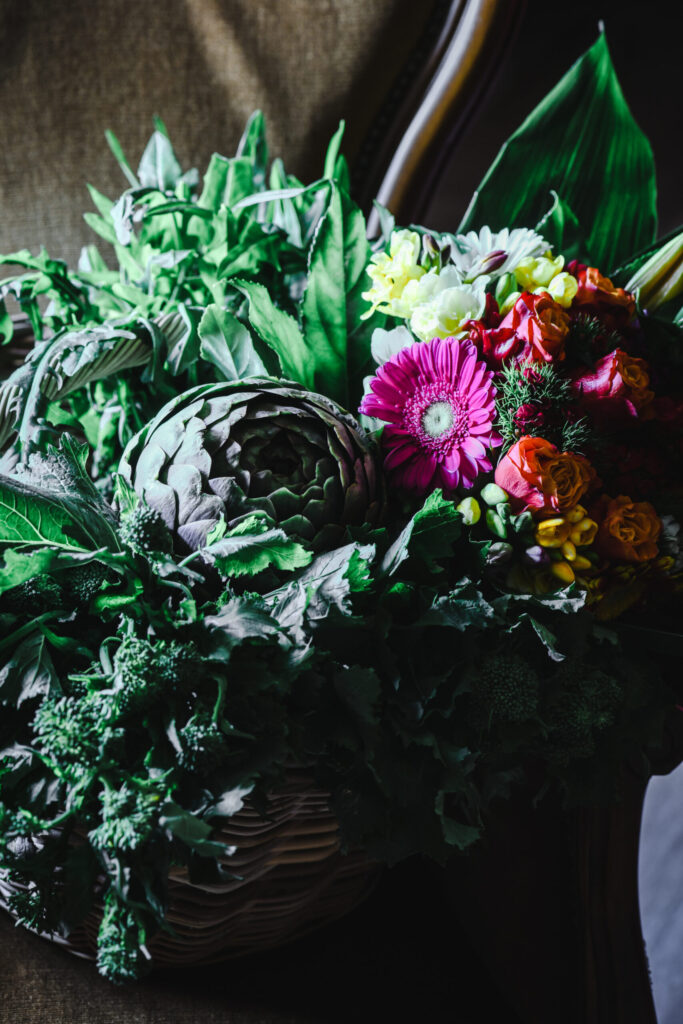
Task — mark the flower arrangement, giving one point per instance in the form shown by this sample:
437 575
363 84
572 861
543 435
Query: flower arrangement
270 492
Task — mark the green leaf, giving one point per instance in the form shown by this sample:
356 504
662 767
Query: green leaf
428 536
562 230
159 167
252 546
253 146
337 339
120 157
191 830
228 345
332 155
29 673
281 332
582 142
16 567
33 518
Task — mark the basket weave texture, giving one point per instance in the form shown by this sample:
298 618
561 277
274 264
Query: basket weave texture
291 876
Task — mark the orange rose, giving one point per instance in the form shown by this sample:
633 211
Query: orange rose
628 530
536 475
598 291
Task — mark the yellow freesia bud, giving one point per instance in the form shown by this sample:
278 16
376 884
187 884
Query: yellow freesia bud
569 551
552 533
576 514
563 289
563 572
583 532
537 272
580 563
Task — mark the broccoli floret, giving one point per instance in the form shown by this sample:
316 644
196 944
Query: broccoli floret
37 908
146 671
505 689
76 735
583 703
121 952
144 531
203 744
129 816
83 582
34 597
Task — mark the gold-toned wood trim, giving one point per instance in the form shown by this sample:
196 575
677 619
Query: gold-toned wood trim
454 79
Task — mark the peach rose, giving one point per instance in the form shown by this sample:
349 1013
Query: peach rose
628 531
536 475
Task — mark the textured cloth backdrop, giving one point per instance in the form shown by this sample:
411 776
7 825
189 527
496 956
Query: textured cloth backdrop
70 70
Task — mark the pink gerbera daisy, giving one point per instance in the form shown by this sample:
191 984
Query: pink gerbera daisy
437 398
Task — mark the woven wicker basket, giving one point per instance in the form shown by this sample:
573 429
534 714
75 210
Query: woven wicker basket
292 877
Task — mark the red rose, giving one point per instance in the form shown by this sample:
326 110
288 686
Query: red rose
533 331
618 386
536 475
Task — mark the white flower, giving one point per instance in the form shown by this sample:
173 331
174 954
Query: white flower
448 306
495 252
386 344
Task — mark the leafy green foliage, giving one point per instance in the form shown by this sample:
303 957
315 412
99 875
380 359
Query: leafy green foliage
582 142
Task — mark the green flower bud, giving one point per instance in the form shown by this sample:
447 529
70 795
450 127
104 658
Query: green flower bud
470 510
495 523
492 494
507 284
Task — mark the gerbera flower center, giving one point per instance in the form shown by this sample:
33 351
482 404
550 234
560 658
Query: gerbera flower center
436 414
437 418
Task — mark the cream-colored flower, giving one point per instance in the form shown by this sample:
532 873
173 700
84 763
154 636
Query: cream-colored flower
391 272
448 306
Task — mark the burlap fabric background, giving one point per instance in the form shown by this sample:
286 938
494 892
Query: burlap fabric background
72 68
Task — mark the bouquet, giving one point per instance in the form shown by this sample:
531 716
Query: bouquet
404 511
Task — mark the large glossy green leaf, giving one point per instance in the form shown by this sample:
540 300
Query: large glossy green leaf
339 341
581 141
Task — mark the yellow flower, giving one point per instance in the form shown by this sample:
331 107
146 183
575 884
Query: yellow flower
390 273
563 289
537 271
572 530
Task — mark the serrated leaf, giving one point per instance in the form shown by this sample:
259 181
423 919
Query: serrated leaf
252 546
581 141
